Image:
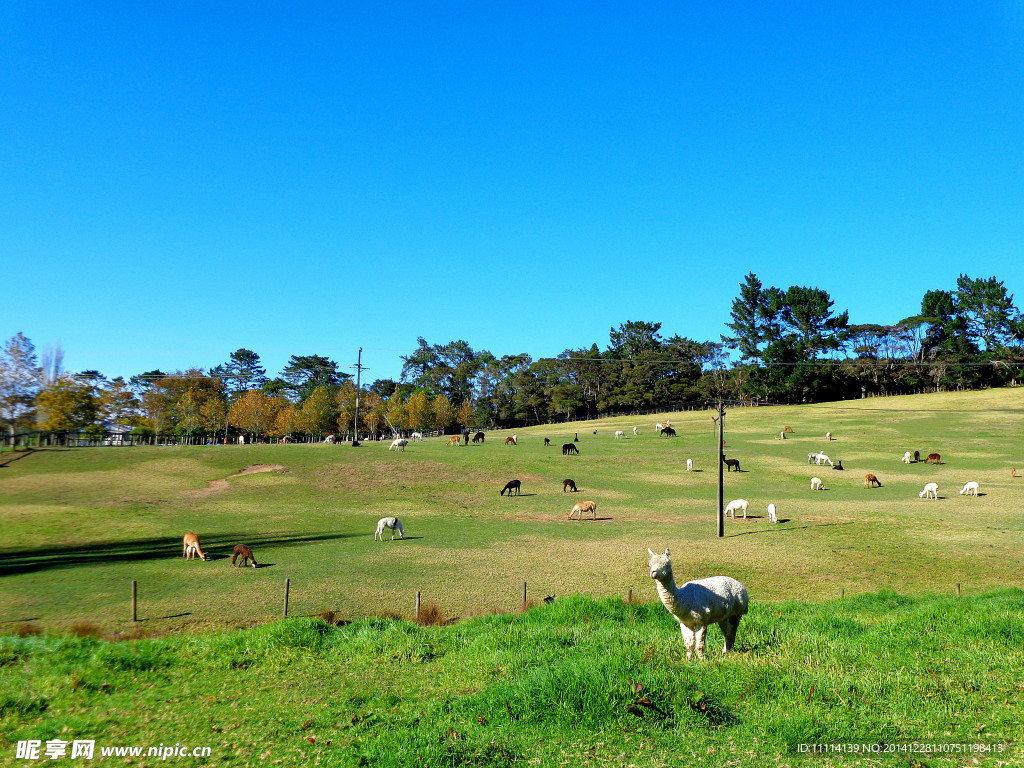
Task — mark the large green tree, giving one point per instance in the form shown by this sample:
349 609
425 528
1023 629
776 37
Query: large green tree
989 315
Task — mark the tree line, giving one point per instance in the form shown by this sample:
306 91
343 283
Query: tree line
781 346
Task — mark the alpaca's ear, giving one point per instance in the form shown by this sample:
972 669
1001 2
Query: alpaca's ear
667 553
651 553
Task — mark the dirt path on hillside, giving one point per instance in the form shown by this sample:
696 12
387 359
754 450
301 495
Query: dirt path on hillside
221 484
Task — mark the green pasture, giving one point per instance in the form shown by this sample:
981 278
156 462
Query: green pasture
935 680
80 524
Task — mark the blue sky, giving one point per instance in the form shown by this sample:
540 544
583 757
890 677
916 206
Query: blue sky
181 180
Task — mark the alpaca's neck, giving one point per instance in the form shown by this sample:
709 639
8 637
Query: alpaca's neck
669 594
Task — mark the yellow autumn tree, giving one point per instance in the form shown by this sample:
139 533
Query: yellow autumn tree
254 412
465 414
396 412
318 413
417 409
443 411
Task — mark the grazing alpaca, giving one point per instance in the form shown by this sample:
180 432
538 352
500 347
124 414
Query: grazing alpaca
245 553
453 440
906 458
689 465
416 437
191 547
389 522
917 456
732 464
510 486
934 457
697 604
619 434
735 506
479 437
570 448
669 432
569 484
787 429
819 459
465 437
828 435
635 431
662 425
582 508
931 491
817 484
400 444
969 489
547 442
510 440
1013 471
870 481
772 518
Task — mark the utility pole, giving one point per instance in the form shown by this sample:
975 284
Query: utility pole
359 375
721 466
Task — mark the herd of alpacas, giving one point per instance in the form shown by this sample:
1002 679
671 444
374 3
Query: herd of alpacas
697 604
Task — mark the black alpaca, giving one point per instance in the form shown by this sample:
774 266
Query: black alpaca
570 448
510 486
732 464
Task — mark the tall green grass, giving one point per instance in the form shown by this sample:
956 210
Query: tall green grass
579 682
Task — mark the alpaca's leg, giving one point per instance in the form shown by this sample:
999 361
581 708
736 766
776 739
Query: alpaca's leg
699 636
729 627
688 640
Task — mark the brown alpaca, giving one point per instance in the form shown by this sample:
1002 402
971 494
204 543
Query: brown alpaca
870 481
191 546
569 484
582 508
245 554
1013 471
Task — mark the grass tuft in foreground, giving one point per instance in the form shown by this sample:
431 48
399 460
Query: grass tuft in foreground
576 682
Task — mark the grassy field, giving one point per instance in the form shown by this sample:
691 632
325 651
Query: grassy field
81 524
589 680
580 682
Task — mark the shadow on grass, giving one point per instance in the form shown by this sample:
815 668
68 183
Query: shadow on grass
135 550
779 529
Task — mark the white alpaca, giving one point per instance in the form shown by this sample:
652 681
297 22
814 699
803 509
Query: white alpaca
635 431
817 484
969 489
389 522
828 435
689 465
416 437
771 514
735 506
906 458
697 604
619 434
399 444
931 491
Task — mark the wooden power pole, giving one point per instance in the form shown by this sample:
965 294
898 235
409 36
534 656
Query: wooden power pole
721 467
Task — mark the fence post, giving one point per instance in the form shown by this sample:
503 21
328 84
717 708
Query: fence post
135 600
958 589
287 588
629 595
524 591
417 605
